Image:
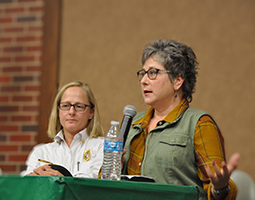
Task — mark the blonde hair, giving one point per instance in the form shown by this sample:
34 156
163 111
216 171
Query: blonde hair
94 127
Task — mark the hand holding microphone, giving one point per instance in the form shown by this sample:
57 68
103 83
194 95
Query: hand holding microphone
129 112
113 145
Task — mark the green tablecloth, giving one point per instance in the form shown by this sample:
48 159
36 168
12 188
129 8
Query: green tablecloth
31 187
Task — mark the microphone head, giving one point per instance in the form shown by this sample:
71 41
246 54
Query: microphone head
129 110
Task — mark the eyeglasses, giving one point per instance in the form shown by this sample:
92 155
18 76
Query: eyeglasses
78 107
152 73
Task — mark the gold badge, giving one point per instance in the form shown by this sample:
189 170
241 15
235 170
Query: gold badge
86 155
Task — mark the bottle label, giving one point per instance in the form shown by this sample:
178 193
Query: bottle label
110 145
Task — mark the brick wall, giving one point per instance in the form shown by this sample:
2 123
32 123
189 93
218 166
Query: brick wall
20 69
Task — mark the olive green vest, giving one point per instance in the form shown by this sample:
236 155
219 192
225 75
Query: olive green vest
169 155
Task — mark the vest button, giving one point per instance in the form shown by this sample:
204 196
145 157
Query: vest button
160 123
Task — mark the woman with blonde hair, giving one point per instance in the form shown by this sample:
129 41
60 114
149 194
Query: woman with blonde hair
74 126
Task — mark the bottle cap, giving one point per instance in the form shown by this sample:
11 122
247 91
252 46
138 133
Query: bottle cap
115 123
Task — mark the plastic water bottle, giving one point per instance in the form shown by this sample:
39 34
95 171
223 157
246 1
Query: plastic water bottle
111 169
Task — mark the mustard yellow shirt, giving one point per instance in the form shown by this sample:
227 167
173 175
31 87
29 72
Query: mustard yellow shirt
208 144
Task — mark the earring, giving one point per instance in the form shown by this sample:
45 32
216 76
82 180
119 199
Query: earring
175 95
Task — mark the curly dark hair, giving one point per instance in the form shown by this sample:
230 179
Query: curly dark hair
177 58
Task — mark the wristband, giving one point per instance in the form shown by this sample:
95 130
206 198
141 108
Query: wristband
221 191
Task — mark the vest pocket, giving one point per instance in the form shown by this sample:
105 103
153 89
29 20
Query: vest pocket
175 140
173 151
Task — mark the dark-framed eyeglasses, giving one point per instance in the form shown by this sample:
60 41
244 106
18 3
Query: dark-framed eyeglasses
152 73
78 107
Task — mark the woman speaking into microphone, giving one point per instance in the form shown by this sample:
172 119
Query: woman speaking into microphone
172 142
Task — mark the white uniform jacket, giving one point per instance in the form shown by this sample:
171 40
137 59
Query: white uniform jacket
83 158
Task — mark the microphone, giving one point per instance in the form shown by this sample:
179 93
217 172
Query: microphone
129 112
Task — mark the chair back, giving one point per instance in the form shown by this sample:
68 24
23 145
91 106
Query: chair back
245 185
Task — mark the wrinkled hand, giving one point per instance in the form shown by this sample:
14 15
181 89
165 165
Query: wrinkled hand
220 179
45 170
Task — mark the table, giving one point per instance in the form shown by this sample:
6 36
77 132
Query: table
32 187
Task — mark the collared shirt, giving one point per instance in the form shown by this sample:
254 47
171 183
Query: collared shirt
83 158
208 145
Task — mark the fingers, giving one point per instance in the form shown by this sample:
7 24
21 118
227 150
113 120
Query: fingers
46 170
58 173
234 159
32 174
225 170
218 173
208 171
216 169
220 177
124 151
40 170
233 162
123 158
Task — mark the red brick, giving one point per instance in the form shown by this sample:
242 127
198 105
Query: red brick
13 49
27 148
22 98
5 39
36 9
2 157
34 48
29 128
8 168
8 109
26 18
14 29
17 157
30 108
4 98
40 38
35 28
21 118
3 138
3 119
4 79
6 128
6 20
5 59
36 138
23 138
26 39
22 78
38 98
7 148
12 69
24 58
14 10
33 68
10 88
32 88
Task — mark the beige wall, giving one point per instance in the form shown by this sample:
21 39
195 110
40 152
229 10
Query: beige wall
102 42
